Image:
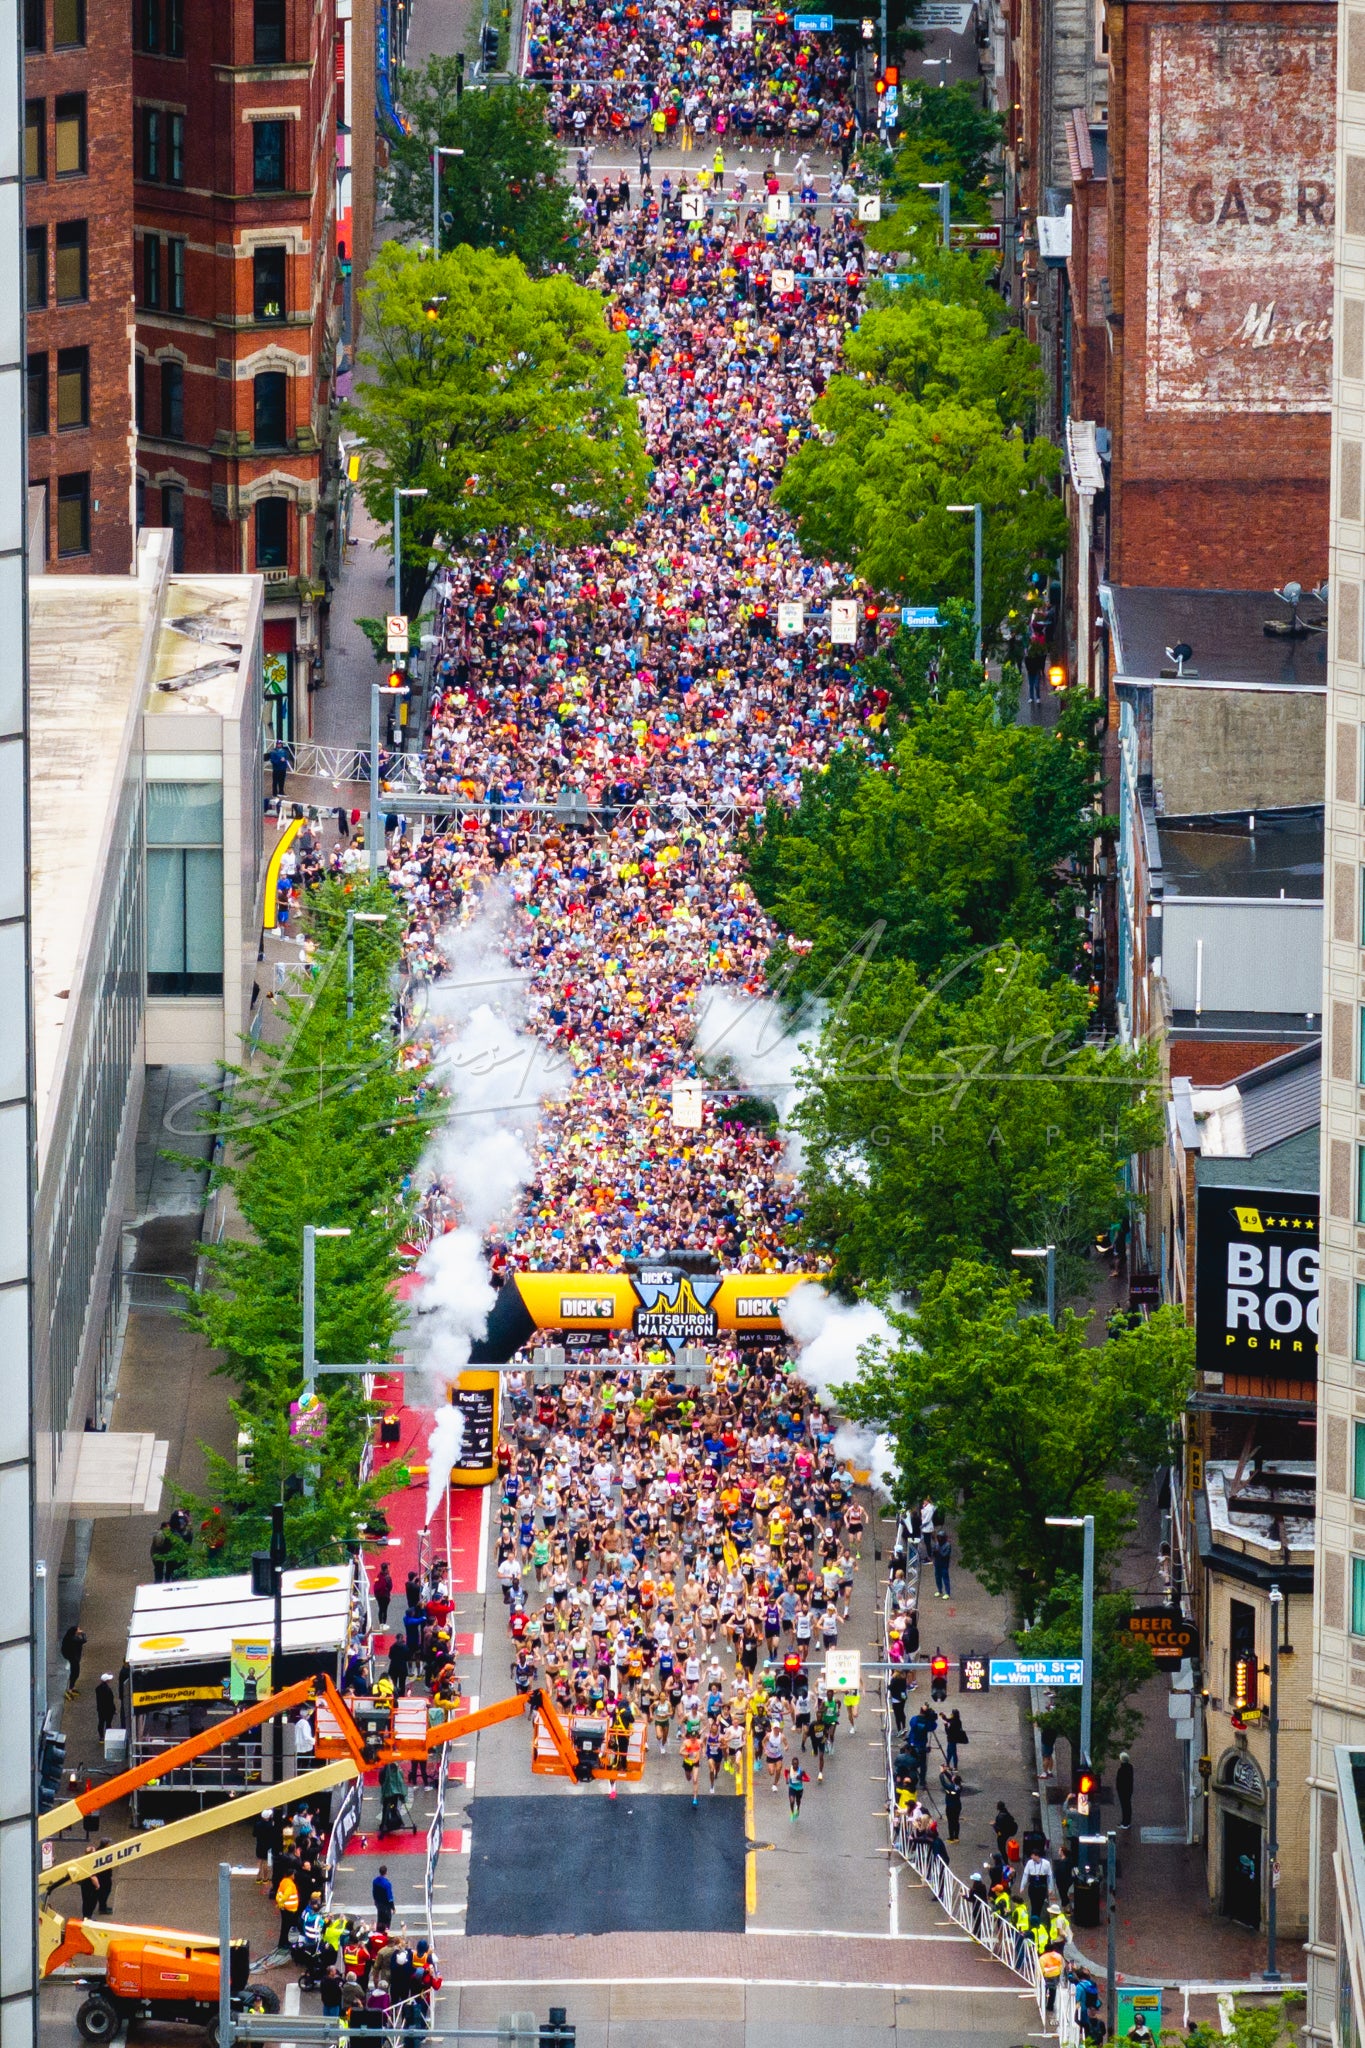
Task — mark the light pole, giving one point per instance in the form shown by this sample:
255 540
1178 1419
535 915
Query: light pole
1040 1251
353 918
377 690
1272 1973
942 63
977 537
1086 1523
437 153
944 189
311 1233
401 491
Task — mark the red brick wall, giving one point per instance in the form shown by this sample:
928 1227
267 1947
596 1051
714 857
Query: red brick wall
103 197
1210 1063
1205 493
223 220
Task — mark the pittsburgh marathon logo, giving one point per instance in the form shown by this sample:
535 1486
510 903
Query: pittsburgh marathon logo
676 1306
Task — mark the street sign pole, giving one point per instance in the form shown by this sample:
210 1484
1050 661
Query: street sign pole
1087 1636
1111 1871
225 2033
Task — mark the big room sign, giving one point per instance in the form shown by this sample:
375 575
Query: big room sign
1256 1283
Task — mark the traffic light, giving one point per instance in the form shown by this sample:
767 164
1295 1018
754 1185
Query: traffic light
432 307
872 612
262 1575
51 1764
869 28
938 1676
1085 1789
891 76
713 23
790 1676
488 42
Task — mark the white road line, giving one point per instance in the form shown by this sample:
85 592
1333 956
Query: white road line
893 1876
759 1983
853 1934
481 1580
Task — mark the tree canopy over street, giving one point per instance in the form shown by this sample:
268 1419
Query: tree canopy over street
500 395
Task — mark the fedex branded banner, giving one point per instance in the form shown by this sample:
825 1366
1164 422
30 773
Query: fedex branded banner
1256 1282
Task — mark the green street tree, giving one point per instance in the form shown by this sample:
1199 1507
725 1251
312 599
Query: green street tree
505 193
968 833
1122 1667
931 352
321 1129
1008 1421
502 396
940 1125
948 131
873 489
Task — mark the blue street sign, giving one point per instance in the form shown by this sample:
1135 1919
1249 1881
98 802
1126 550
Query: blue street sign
914 615
823 23
1037 1671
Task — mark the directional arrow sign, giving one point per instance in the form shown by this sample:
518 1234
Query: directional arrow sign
1037 1671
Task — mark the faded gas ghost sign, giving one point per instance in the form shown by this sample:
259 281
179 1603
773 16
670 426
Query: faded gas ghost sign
1239 262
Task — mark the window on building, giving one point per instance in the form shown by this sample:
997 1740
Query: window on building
73 514
175 149
147 23
70 135
35 141
37 393
151 144
35 29
173 401
35 267
269 392
184 888
272 533
268 283
151 270
173 23
140 397
68 24
140 502
1358 1596
268 38
267 155
173 517
175 273
73 388
73 262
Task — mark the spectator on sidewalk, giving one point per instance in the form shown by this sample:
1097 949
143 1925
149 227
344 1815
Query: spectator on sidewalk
1037 1875
1003 1827
954 1734
104 1887
942 1557
106 1704
896 1693
1123 1785
381 1891
383 1593
265 1844
163 1550
73 1649
952 1802
278 758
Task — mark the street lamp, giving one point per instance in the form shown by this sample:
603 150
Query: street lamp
942 63
1087 1524
377 690
1041 1251
353 918
977 537
401 491
311 1233
944 189
437 153
1271 1973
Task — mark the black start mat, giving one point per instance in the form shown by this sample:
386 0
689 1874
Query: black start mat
594 1865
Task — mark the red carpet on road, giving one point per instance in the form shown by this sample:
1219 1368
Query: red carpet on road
405 1509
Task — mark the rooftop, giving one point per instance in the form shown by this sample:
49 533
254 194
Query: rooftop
1263 854
1285 1521
197 663
1278 1100
1226 631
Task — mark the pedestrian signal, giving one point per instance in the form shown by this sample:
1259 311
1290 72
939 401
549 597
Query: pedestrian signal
891 76
1085 1789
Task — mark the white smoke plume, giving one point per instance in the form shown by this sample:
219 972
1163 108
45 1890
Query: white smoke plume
495 1076
443 1450
750 1035
829 1335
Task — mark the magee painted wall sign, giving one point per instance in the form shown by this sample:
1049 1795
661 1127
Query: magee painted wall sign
1240 161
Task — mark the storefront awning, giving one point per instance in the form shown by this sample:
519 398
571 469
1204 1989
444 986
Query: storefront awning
119 1472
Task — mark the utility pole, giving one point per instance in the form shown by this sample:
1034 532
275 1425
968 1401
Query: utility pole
225 2031
277 1555
1111 1874
1272 1972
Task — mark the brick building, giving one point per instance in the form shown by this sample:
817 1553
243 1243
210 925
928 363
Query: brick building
1219 290
79 281
234 126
